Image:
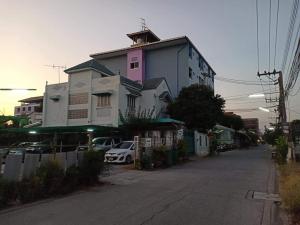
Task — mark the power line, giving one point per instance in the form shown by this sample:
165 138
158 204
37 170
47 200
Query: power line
290 33
276 31
257 38
243 82
270 13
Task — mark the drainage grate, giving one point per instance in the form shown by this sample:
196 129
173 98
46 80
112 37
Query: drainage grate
266 196
262 196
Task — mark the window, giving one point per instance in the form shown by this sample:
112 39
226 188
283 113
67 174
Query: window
200 140
190 51
79 98
103 101
23 109
190 73
77 114
200 63
201 81
29 108
130 101
134 65
18 110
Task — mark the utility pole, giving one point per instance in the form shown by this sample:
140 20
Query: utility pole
282 120
281 100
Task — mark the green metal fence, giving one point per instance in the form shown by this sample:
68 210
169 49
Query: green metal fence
190 140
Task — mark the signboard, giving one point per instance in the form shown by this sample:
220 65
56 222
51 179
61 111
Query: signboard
180 134
147 143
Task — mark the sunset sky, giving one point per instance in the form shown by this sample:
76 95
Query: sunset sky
38 33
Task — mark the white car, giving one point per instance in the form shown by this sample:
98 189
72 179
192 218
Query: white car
121 153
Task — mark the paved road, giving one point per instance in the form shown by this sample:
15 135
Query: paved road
207 191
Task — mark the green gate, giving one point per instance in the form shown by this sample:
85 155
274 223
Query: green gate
190 141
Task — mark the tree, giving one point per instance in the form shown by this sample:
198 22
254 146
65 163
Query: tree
198 107
233 121
270 136
136 122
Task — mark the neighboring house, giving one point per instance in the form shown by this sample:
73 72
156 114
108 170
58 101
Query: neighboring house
93 95
251 124
31 107
175 59
224 135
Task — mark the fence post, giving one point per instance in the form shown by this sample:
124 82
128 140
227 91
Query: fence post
136 151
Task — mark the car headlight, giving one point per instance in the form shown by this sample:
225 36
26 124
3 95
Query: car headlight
122 153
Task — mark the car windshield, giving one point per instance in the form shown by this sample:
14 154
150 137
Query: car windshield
124 145
99 141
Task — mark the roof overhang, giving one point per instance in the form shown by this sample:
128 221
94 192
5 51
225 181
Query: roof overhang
104 92
148 46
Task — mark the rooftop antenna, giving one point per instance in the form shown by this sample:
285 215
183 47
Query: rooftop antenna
58 69
143 24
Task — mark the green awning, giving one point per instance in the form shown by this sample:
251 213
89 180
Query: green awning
59 129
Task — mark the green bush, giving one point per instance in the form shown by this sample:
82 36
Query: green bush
281 150
71 179
182 149
146 162
51 175
8 192
30 189
91 167
159 156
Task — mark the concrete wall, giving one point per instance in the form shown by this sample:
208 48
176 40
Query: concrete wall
150 98
136 74
55 112
80 83
118 65
107 116
170 63
193 63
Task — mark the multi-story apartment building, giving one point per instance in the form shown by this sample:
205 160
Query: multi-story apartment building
176 59
146 75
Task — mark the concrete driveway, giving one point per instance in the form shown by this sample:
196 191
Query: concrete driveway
211 191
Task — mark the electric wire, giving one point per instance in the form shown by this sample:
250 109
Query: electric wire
257 37
276 34
290 33
270 15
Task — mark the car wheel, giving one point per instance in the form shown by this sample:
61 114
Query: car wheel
128 159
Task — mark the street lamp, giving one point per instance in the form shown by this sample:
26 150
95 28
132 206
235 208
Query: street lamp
32 132
17 89
257 95
263 109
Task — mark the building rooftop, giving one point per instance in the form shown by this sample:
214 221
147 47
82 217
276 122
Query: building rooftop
91 64
147 36
149 46
152 83
36 99
127 82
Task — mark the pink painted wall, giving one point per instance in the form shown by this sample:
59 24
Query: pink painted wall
136 74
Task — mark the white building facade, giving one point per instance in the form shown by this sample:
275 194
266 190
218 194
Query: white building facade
93 95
